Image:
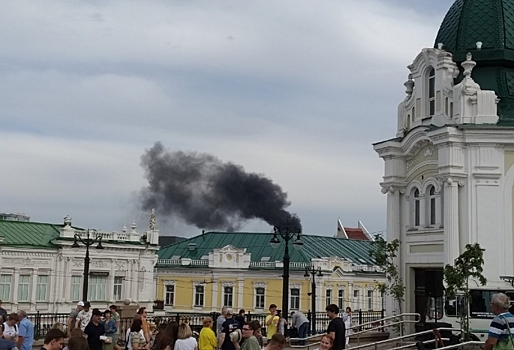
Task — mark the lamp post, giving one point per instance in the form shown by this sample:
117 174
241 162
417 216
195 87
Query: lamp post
87 242
314 272
287 234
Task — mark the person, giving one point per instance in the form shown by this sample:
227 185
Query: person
250 341
72 319
84 316
240 318
3 314
76 333
77 343
54 339
94 330
207 339
219 322
59 326
146 329
10 329
277 342
7 344
300 322
336 329
116 317
282 322
272 321
135 336
347 318
501 329
227 328
257 332
25 332
185 339
326 343
110 325
166 338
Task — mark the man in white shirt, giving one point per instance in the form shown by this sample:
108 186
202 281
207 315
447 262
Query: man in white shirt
84 316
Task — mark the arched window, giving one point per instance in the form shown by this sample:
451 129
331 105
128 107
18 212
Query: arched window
431 206
431 92
417 208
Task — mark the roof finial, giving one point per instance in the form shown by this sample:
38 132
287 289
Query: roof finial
133 226
479 45
468 65
409 85
440 46
67 220
152 220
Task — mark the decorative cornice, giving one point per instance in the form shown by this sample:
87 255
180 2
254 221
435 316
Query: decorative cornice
295 286
227 284
259 284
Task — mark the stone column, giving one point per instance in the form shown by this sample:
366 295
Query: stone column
240 292
451 220
109 295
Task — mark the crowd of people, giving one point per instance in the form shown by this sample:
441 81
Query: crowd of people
91 329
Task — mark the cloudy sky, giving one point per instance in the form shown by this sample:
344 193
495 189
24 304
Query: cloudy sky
295 90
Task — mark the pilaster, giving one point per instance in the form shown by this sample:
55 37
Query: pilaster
451 220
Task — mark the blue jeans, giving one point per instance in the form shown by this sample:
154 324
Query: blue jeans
302 332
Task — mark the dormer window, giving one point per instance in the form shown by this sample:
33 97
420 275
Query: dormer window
431 92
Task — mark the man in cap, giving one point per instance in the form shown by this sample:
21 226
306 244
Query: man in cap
84 316
72 319
94 330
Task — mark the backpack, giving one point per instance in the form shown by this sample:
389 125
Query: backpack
127 341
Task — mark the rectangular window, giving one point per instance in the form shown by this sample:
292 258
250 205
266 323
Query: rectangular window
5 287
199 295
170 294
41 288
340 299
23 288
118 287
295 299
228 296
417 209
356 300
96 288
328 297
259 298
370 300
432 211
75 288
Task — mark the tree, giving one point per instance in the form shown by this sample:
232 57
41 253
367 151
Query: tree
385 253
466 268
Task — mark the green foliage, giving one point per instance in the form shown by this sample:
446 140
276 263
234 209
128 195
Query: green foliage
384 253
466 268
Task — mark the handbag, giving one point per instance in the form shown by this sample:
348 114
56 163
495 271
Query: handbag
505 345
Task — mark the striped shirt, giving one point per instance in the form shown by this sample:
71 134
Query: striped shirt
498 328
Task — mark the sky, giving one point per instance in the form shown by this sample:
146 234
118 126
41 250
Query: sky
294 90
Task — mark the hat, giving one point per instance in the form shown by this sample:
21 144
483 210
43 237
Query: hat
236 336
80 303
96 312
87 304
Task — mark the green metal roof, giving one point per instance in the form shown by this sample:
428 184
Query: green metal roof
28 234
492 23
257 244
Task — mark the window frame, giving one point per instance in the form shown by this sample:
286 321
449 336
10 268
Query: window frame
260 299
199 295
26 288
169 296
328 297
42 288
228 296
5 287
117 290
294 298
73 285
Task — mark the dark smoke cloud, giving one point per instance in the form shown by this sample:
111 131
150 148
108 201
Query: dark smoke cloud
210 194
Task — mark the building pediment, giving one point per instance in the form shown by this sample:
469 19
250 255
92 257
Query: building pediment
229 257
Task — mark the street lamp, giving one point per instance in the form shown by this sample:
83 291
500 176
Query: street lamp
314 272
286 235
87 241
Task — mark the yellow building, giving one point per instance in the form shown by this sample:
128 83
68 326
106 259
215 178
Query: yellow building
243 271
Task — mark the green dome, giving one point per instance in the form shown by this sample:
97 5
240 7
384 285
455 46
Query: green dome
490 22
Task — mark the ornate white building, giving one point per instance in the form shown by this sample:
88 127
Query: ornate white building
41 271
449 170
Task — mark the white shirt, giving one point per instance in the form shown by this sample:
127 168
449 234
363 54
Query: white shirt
84 318
10 331
186 344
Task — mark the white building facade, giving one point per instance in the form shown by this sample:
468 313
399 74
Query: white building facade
41 271
449 170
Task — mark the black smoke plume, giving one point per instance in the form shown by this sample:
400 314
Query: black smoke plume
210 194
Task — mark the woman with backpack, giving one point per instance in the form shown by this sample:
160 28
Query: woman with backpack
10 329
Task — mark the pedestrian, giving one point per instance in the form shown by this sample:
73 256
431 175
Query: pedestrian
84 316
110 326
7 345
116 317
229 326
94 330
185 339
25 332
77 343
219 322
54 340
501 329
277 342
240 318
282 322
301 323
326 343
272 321
257 332
207 339
72 319
250 341
347 318
336 329
3 314
10 329
76 333
166 338
136 337
146 329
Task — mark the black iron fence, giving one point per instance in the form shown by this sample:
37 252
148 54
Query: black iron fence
45 321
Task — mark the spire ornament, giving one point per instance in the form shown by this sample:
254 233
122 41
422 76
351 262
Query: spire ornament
153 221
